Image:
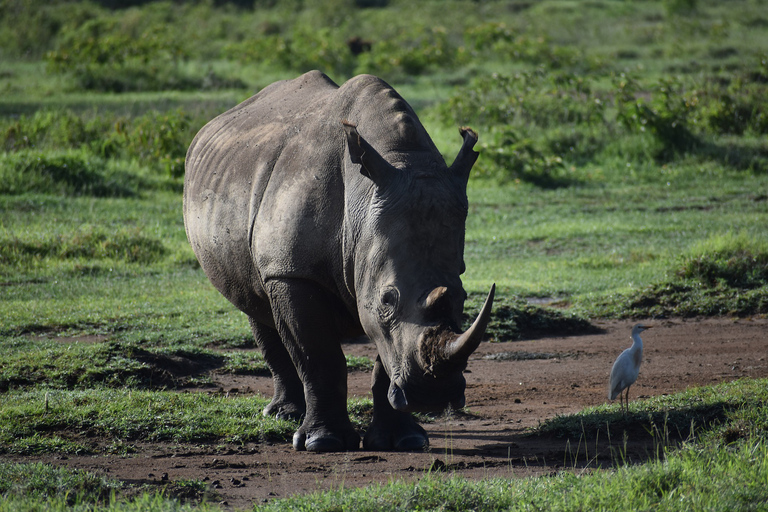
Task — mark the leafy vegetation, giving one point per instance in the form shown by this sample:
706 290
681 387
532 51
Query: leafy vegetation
623 172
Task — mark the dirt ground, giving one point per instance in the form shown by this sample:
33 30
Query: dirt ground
505 398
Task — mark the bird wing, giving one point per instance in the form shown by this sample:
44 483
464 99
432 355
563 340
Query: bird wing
623 374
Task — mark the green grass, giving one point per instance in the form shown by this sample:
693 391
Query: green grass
68 363
723 467
708 411
37 421
623 173
42 482
692 479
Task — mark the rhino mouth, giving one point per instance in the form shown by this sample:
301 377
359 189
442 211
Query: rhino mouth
400 400
443 356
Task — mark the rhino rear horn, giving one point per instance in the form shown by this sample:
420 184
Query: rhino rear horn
462 347
372 164
467 155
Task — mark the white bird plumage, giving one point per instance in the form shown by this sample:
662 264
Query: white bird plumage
626 367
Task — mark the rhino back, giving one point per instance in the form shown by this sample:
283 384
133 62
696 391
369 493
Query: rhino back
254 177
266 195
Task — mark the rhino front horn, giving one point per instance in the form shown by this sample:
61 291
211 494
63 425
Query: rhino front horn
462 347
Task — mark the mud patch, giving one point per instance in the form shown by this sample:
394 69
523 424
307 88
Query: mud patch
506 399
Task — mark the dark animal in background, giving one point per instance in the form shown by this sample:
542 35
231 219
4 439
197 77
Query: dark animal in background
358 45
324 213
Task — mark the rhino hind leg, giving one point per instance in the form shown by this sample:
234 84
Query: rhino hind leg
288 397
391 429
307 319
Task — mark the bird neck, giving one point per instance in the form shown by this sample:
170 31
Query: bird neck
637 343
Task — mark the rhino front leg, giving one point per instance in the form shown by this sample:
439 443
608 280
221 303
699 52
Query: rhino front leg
309 323
288 397
391 429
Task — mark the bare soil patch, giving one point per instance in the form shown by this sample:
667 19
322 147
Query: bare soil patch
511 387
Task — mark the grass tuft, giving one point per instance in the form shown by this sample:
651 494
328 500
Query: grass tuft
726 274
693 412
514 319
37 480
732 260
69 173
88 243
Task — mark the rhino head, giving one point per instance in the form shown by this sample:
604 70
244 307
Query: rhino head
409 256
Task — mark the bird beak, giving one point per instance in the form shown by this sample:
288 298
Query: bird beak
648 326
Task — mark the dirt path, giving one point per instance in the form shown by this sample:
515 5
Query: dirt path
504 398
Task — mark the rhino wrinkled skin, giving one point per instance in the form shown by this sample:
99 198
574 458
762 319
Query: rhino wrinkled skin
326 213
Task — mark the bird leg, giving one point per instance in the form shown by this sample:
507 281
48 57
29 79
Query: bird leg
626 401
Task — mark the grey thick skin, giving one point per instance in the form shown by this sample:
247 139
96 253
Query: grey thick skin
326 213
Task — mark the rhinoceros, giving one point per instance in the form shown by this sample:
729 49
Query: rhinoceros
324 213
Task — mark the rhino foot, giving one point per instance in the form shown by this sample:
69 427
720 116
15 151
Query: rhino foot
404 436
284 410
323 440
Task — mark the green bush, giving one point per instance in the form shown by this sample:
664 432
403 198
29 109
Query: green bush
666 115
677 113
543 99
30 28
49 129
739 108
103 57
406 54
128 245
508 157
301 50
737 261
498 40
157 139
70 173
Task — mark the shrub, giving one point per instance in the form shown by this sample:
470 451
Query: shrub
47 129
666 116
737 261
156 139
405 54
159 139
540 98
498 40
103 57
511 157
739 108
130 246
71 173
29 28
677 114
301 50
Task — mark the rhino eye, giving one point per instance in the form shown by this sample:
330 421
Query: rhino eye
389 299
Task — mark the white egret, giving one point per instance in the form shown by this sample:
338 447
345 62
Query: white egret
627 366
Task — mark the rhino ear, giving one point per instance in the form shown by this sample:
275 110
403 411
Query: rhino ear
372 164
467 156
